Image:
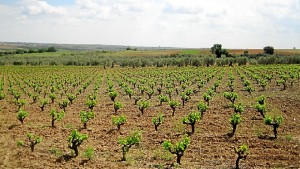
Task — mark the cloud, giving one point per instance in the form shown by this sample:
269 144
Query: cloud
184 23
37 7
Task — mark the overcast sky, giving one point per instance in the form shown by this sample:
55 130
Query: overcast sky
168 23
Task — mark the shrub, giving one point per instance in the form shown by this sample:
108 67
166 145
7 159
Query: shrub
71 97
157 121
143 104
91 103
64 104
232 96
128 142
283 82
136 99
129 92
33 140
202 107
191 119
52 96
22 115
173 104
261 100
234 120
119 121
117 106
2 95
238 108
162 98
55 115
207 98
184 98
43 103
178 148
261 108
275 122
75 139
113 95
20 103
242 152
85 117
249 89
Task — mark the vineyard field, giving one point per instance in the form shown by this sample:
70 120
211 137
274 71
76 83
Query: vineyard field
136 97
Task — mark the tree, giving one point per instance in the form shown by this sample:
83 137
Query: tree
242 152
218 51
274 121
56 115
234 120
269 50
128 142
33 140
22 115
191 119
158 120
85 117
178 148
75 139
119 121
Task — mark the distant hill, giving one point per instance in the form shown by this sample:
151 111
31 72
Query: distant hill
25 45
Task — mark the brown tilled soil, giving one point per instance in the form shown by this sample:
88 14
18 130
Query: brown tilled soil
210 146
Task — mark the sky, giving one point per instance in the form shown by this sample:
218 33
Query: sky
239 24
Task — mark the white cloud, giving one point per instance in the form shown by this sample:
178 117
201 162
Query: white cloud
183 23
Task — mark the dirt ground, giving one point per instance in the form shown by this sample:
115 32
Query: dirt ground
210 146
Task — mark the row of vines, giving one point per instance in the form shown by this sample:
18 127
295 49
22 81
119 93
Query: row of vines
212 116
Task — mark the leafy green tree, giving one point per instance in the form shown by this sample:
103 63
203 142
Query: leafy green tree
157 121
129 91
85 117
119 121
261 100
33 140
22 115
234 120
43 103
162 98
207 98
242 152
191 119
75 139
249 89
143 104
117 105
20 103
64 104
178 148
218 51
91 103
2 95
184 98
71 97
269 50
274 121
232 96
113 95
238 108
173 104
128 142
202 107
52 96
56 115
261 108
